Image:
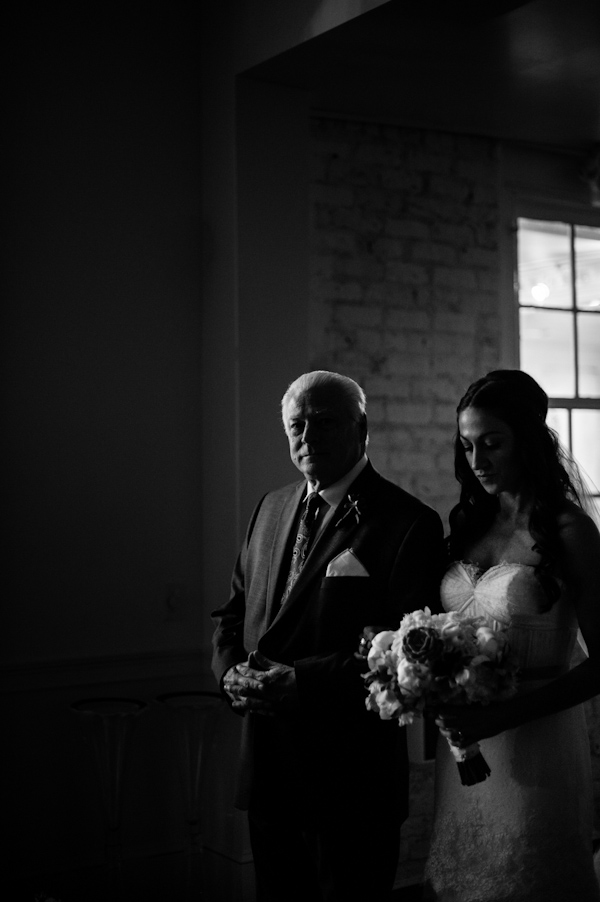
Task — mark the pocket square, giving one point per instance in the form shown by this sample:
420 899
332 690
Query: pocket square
346 564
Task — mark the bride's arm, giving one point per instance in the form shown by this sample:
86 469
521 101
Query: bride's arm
581 563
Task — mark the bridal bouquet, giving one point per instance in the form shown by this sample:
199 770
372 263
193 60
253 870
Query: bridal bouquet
438 659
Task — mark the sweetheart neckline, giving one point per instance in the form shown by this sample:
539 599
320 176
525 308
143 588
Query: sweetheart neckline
475 574
475 578
465 563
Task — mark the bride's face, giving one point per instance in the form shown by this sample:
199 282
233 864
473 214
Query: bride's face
491 450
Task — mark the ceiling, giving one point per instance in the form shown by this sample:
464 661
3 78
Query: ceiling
525 71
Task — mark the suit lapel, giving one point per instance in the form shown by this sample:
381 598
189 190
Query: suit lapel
278 564
336 537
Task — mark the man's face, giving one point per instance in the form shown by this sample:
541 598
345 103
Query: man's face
325 442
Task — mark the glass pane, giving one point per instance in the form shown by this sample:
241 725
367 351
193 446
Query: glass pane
558 419
544 253
587 267
586 442
547 350
588 335
595 512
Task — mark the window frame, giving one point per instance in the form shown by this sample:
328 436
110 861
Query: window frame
552 211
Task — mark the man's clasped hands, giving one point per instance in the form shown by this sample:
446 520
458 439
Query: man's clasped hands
261 686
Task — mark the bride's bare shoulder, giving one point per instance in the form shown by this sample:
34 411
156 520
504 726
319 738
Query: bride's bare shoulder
577 529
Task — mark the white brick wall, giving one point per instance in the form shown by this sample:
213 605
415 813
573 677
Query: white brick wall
404 298
404 280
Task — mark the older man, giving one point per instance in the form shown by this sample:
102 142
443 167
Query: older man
324 781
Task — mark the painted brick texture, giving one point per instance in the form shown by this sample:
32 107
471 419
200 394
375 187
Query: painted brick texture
404 297
404 277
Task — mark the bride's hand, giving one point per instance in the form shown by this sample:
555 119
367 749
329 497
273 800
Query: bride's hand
464 725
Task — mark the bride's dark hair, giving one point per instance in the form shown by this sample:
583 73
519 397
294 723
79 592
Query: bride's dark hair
515 398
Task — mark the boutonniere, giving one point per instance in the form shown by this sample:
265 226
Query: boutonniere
353 506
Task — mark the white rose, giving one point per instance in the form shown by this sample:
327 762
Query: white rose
490 643
462 678
387 703
405 718
412 678
453 631
380 644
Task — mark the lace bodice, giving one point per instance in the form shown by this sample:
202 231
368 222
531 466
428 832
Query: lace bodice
509 595
522 835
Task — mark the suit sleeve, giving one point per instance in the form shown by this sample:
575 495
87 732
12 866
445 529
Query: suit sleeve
418 568
412 582
228 637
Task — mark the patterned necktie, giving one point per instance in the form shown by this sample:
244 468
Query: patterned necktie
304 537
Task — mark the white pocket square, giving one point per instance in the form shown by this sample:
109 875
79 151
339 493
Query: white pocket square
346 564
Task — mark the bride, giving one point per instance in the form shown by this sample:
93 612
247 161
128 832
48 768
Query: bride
526 557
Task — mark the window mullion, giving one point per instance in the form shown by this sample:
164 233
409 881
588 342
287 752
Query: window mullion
574 313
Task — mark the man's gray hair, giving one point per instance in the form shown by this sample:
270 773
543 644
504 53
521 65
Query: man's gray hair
348 389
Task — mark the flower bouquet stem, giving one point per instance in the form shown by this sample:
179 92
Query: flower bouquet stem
472 766
432 663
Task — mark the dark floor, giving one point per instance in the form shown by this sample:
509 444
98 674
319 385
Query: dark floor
165 878
408 894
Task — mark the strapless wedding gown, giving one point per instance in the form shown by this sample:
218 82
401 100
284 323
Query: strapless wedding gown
525 833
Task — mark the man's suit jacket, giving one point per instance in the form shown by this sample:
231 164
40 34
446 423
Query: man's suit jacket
323 754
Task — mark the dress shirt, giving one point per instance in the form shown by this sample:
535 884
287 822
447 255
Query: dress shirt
334 494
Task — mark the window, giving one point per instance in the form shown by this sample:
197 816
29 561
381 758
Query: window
559 330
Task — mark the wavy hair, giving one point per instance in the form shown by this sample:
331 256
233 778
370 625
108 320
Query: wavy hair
349 391
516 398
